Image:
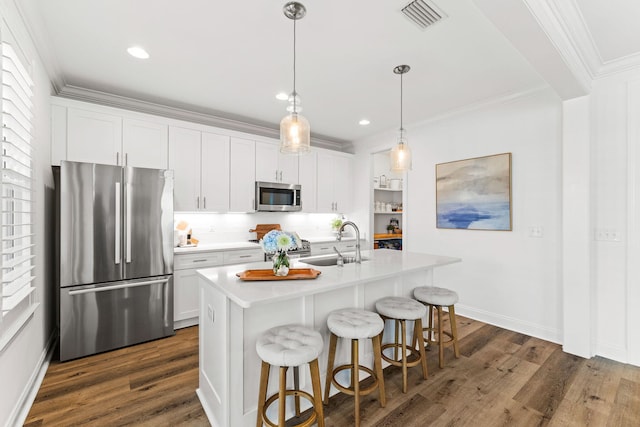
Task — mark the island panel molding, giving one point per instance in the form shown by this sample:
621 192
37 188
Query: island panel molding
474 194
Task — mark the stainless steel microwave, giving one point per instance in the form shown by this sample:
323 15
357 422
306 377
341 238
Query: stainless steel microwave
277 197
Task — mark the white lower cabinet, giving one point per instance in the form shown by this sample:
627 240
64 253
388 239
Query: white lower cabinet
186 303
323 248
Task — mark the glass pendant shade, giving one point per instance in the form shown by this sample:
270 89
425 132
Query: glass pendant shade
295 134
401 154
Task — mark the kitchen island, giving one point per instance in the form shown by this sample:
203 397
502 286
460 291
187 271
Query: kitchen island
233 314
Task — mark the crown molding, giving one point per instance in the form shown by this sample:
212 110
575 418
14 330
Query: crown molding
550 16
216 119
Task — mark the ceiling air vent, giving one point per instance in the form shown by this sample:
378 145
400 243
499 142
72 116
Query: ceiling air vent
423 14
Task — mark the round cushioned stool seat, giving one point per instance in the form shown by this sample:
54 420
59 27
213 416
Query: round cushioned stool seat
435 296
289 345
354 323
401 308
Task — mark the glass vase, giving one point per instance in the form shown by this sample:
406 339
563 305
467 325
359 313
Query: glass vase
281 263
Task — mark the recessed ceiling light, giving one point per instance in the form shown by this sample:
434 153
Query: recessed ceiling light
364 122
282 96
138 52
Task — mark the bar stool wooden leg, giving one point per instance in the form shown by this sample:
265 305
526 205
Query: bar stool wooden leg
296 385
430 336
403 328
317 393
395 348
355 378
454 331
377 365
282 395
440 341
262 394
417 333
330 360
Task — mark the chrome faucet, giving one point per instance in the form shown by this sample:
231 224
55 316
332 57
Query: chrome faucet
340 261
355 227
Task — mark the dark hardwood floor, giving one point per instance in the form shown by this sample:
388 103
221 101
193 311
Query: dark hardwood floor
502 378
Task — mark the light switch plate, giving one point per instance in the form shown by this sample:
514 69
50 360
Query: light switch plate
536 231
608 236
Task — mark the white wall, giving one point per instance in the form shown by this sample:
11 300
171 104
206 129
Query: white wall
21 360
506 278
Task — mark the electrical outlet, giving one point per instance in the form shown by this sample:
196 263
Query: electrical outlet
535 231
608 236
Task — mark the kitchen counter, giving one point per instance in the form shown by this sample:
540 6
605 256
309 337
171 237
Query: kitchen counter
214 247
235 313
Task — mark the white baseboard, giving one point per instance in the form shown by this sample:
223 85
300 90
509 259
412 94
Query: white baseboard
21 411
511 323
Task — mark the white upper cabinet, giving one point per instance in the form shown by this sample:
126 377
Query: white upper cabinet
200 161
144 144
242 175
92 137
214 166
308 181
334 184
106 136
273 166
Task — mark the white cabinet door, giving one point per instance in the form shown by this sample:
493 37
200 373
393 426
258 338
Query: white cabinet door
342 183
308 181
267 162
242 169
144 144
184 159
333 186
325 200
186 303
215 173
93 137
273 166
288 166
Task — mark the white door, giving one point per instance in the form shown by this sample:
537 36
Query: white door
342 183
145 144
184 159
308 181
288 167
242 167
214 182
93 137
325 199
267 164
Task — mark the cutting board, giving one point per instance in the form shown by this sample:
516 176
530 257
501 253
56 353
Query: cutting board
262 229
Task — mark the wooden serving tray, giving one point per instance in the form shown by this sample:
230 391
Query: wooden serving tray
267 274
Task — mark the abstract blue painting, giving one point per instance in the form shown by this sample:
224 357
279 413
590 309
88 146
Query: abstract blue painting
474 194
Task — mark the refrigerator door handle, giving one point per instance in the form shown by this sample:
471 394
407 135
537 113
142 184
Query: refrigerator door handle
118 225
128 224
111 288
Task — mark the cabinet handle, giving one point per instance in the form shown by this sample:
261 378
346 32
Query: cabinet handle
245 256
117 158
199 260
204 202
280 176
276 175
126 159
197 202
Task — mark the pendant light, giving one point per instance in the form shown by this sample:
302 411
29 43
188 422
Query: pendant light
401 154
295 133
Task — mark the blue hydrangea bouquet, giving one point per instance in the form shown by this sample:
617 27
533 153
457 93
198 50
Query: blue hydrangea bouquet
278 242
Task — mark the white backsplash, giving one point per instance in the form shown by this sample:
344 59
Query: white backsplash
221 228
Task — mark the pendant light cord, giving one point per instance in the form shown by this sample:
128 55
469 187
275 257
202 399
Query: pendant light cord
401 128
295 94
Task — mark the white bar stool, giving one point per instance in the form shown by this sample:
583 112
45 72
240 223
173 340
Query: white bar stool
400 310
355 324
287 346
433 296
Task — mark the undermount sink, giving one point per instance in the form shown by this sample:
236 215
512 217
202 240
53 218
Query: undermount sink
328 260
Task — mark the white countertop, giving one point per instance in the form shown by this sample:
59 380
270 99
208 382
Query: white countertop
382 263
213 247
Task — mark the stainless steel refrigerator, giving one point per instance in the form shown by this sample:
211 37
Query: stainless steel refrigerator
115 256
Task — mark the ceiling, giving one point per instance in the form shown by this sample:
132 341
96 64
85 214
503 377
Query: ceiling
229 59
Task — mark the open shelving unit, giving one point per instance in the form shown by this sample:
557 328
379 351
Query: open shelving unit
387 205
